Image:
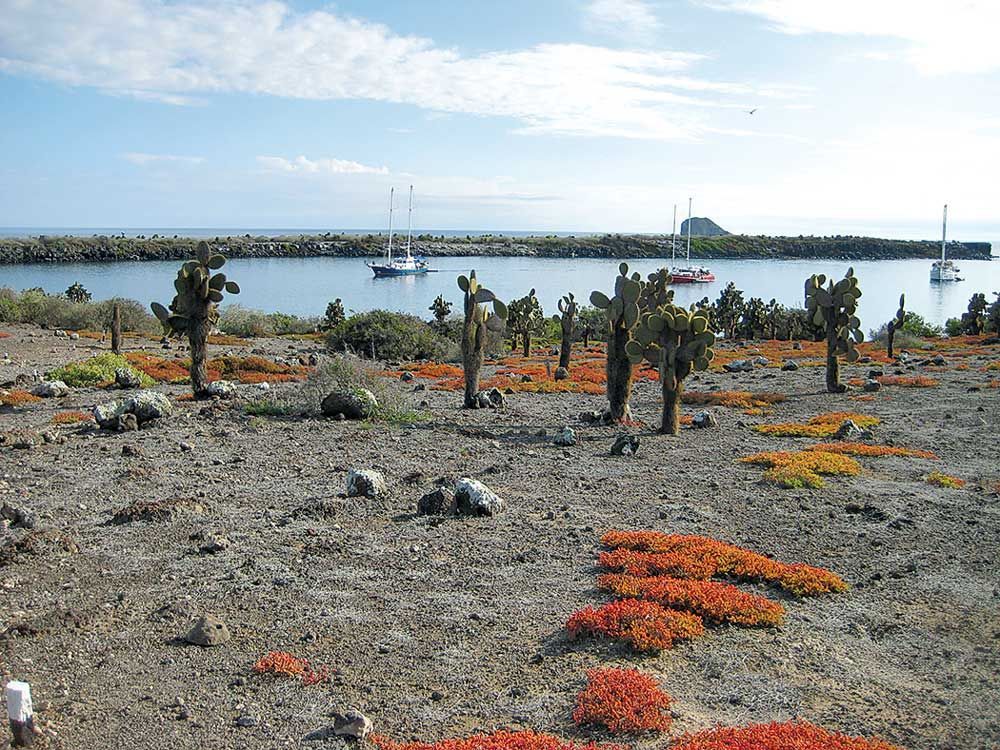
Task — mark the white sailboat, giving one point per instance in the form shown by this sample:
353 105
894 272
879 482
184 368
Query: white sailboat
944 269
407 266
689 274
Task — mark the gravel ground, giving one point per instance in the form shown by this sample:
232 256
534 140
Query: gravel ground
439 627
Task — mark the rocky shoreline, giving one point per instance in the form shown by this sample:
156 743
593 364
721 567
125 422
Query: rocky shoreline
102 248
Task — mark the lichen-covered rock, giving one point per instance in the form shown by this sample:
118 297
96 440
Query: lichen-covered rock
352 403
566 437
352 724
561 373
704 419
144 406
738 365
50 389
476 499
625 445
790 366
849 429
221 389
126 377
491 399
365 483
872 385
439 502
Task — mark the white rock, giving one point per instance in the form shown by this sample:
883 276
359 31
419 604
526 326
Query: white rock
221 389
50 389
566 437
365 483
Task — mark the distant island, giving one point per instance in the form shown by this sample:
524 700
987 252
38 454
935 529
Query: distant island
710 241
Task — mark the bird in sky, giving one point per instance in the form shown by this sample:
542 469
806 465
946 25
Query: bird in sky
751 111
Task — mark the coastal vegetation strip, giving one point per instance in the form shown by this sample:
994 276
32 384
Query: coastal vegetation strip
57 249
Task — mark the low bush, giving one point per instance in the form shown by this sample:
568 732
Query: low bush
875 451
793 735
732 399
96 372
246 322
798 469
908 381
503 740
385 335
17 397
71 417
712 601
284 664
820 426
644 625
56 311
945 480
623 700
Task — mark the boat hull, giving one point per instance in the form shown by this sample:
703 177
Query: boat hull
382 272
945 271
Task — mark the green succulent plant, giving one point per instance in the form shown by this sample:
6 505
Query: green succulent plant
195 308
833 309
894 325
567 324
477 321
676 341
622 311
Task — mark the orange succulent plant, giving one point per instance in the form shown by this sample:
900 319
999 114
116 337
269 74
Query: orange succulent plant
623 700
644 625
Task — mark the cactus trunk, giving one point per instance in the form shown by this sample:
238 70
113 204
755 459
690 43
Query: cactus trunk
833 384
526 341
672 390
619 372
116 329
472 360
890 335
198 339
564 351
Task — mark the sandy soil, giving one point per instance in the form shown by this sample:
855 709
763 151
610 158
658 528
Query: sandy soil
439 627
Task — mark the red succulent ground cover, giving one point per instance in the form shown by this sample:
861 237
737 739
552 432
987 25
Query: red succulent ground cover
249 370
644 625
623 700
713 601
864 449
71 417
285 664
526 740
699 557
17 397
792 735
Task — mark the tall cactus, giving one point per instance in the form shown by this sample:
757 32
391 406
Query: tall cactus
195 308
116 328
477 321
673 339
894 325
525 318
622 311
833 309
567 322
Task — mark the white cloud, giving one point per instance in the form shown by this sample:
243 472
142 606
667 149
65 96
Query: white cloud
632 20
302 165
953 37
142 160
178 52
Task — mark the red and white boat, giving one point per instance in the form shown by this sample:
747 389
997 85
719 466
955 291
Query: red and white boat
687 274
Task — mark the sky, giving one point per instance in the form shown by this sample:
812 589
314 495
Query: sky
589 116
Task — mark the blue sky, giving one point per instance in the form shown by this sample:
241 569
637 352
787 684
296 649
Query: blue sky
595 115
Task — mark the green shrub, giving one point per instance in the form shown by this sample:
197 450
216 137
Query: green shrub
387 336
244 322
56 311
283 324
96 371
915 324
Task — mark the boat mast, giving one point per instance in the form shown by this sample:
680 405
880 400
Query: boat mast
391 191
944 230
673 240
689 232
409 222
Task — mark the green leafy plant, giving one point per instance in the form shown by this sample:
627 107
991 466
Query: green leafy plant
441 309
97 371
195 308
474 330
387 335
567 323
833 307
335 314
77 293
622 312
674 340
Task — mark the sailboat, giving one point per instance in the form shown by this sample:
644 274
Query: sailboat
944 269
407 266
688 274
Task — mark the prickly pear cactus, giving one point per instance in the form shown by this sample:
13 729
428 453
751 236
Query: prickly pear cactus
195 308
673 339
567 322
833 308
622 311
477 321
894 325
525 319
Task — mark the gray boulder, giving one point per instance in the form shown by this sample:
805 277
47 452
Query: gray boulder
476 499
126 377
738 365
790 366
625 445
491 399
872 385
50 389
561 373
439 502
144 406
365 483
848 429
207 631
352 403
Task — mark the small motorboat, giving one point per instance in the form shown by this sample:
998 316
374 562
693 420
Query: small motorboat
408 265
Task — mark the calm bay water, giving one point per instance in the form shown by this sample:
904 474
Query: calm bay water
305 286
